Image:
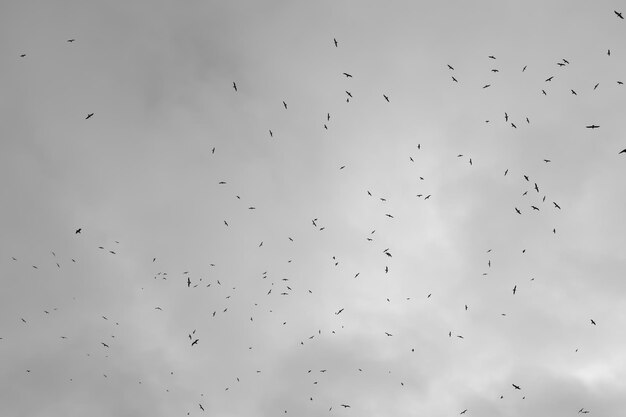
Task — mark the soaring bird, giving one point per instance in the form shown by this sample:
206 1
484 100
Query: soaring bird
596 86
70 40
347 75
619 14
386 98
285 104
345 405
593 322
450 66
335 41
514 289
556 205
592 126
348 93
622 151
89 116
80 229
516 386
549 78
195 342
235 86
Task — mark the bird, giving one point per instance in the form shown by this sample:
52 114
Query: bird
345 405
454 79
464 411
618 14
549 78
388 334
450 66
347 75
485 86
271 134
516 386
104 344
517 210
201 407
335 41
188 282
492 57
592 126
506 117
608 52
514 289
386 98
535 208
285 104
89 116
22 55
524 69
78 230
348 93
622 151
195 342
70 40
556 205
593 322
596 86
235 86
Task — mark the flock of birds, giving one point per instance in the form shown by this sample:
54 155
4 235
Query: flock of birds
531 190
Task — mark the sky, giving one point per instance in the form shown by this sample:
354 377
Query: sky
437 232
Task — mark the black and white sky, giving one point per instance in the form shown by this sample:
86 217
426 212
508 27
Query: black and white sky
416 237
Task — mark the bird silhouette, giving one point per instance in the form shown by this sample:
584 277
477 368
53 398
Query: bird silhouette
89 116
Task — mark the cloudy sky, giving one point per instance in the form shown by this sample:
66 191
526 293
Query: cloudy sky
365 253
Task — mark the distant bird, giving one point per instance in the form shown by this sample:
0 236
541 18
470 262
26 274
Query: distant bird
546 160
514 289
464 411
619 14
592 126
285 104
345 405
195 342
559 207
516 386
78 230
608 52
596 86
235 86
524 69
347 75
70 40
495 70
335 41
338 312
593 322
574 92
104 344
201 407
492 57
22 56
454 79
544 92
348 93
89 116
488 85
549 78
535 208
271 134
506 117
622 151
188 282
386 98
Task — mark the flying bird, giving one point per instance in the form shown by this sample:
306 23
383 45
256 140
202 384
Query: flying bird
70 40
89 116
516 386
592 126
386 98
618 14
235 86
622 151
347 75
78 230
593 322
335 41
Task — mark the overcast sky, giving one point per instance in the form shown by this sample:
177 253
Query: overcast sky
367 253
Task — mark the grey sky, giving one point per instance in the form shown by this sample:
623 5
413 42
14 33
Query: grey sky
140 179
